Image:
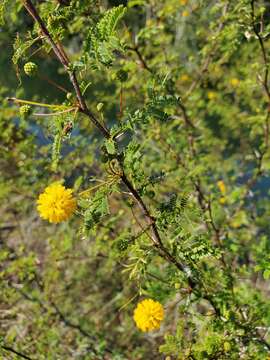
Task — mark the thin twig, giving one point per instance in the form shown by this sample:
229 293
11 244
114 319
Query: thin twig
207 61
62 57
140 57
55 113
187 119
10 349
53 83
34 103
263 50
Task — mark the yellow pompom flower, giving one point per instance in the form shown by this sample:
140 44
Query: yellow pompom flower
211 95
222 200
235 82
56 203
184 78
222 187
148 315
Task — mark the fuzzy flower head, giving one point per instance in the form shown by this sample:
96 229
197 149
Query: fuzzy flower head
222 187
185 13
148 315
56 203
235 82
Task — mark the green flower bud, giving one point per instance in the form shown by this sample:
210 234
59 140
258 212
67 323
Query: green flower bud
25 111
122 75
151 194
122 244
30 69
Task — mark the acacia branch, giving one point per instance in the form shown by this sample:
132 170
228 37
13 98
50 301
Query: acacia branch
144 64
84 109
140 57
63 58
263 50
10 349
155 236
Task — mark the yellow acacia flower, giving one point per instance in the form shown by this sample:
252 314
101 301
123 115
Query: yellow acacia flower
184 78
148 315
222 200
222 187
235 82
211 95
183 2
56 203
185 13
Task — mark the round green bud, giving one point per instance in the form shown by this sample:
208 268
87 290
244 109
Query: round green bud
151 194
122 75
122 244
30 69
25 111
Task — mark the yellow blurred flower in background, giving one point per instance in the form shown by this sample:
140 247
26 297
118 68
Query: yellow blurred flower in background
222 200
185 13
222 187
184 78
211 95
234 82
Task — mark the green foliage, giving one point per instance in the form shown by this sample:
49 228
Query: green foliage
173 202
122 75
3 5
56 149
20 47
95 209
61 128
107 25
102 41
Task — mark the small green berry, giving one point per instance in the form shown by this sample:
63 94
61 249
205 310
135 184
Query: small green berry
122 75
30 69
122 244
151 194
25 111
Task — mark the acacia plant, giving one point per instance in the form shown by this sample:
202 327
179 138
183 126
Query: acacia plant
134 179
